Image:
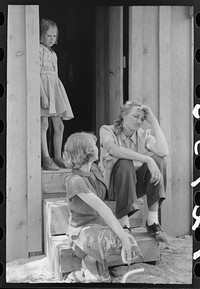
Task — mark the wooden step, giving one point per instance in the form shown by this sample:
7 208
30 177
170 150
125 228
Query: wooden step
57 247
53 183
53 186
63 261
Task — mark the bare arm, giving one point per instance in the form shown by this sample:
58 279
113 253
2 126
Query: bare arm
105 212
160 147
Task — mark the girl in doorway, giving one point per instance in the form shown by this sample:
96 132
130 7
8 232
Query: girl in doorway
54 99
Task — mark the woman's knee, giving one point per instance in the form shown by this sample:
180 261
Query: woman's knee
125 165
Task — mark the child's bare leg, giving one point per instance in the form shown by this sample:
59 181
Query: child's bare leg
44 128
58 135
57 140
47 162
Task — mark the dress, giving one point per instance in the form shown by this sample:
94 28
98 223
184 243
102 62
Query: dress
86 231
52 87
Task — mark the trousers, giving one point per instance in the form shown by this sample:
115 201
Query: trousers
127 185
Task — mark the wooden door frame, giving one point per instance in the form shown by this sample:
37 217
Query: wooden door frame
24 194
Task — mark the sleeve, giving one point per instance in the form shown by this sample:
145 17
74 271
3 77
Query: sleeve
56 63
75 185
149 139
41 57
106 138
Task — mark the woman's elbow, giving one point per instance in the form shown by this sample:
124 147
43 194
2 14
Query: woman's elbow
163 153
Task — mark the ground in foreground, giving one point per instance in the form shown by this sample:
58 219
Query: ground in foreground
174 267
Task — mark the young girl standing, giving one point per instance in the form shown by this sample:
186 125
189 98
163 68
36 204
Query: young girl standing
54 100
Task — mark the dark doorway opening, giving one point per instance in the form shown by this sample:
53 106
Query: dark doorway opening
76 65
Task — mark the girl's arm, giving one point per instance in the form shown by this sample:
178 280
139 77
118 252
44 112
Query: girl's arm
105 212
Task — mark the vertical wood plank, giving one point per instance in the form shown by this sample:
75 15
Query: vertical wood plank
16 219
102 89
33 129
115 60
181 118
165 104
136 52
150 58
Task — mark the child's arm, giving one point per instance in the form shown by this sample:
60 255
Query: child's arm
105 212
43 97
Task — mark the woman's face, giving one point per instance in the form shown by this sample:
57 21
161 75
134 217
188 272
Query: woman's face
50 37
134 119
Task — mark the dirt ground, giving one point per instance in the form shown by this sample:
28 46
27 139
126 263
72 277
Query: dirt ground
174 267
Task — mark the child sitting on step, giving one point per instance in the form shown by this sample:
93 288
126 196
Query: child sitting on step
91 240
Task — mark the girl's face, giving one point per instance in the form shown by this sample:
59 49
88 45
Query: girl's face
95 151
134 119
50 37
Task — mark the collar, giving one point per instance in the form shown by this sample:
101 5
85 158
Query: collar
46 47
81 173
133 137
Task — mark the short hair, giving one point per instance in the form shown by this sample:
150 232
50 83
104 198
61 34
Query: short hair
44 26
124 110
79 149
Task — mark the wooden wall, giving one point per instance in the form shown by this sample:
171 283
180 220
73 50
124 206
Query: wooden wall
109 63
23 220
160 75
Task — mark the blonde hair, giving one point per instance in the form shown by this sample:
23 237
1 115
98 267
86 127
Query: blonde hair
44 26
124 110
79 149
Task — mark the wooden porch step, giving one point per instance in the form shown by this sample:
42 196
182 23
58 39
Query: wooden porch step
53 183
57 247
56 217
63 261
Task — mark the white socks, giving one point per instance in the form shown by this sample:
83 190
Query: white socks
152 218
124 221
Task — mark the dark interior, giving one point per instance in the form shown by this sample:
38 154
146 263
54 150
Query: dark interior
76 62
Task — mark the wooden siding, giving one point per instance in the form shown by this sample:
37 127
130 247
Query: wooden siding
160 74
181 119
109 64
23 133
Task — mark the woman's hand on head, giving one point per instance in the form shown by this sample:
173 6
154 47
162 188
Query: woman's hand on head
149 116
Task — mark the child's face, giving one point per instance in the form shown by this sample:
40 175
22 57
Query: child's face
95 150
50 37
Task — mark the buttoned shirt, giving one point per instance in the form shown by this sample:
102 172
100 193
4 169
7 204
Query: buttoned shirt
138 142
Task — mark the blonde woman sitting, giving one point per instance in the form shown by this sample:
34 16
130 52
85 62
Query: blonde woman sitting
92 241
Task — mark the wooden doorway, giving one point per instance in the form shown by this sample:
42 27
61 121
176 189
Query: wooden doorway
76 66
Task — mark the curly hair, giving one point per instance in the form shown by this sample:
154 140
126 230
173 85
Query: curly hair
44 26
79 149
124 110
